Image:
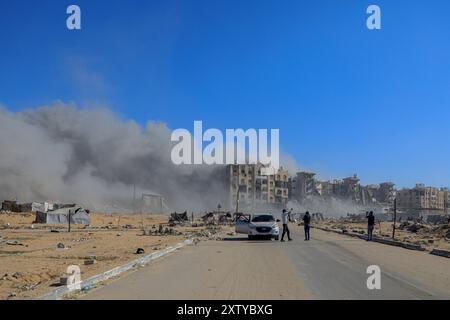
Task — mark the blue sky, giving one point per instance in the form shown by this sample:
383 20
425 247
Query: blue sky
346 99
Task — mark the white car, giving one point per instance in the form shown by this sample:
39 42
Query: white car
258 225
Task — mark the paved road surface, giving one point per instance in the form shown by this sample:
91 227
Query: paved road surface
330 266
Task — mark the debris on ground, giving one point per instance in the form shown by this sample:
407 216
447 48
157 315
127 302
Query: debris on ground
12 295
412 231
13 243
140 251
38 266
13 206
89 262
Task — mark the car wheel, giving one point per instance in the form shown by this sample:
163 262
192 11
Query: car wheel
250 237
277 238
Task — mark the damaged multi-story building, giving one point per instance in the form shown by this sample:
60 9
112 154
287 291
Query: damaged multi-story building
422 199
258 186
253 186
446 199
304 185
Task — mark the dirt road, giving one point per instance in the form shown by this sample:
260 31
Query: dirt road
330 266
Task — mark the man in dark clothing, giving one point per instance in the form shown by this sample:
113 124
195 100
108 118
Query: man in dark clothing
307 224
370 225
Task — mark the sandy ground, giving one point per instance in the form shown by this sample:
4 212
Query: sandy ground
32 264
428 236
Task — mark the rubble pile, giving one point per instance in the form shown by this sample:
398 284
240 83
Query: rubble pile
178 218
211 233
162 231
217 218
425 229
21 282
13 206
411 231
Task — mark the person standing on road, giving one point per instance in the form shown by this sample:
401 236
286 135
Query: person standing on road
285 218
307 225
370 225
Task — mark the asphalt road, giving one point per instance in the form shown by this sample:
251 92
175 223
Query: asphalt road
330 266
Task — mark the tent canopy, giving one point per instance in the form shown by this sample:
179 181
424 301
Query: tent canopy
77 214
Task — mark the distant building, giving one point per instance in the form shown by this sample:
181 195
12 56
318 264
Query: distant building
421 198
446 192
281 191
302 185
257 186
386 193
351 189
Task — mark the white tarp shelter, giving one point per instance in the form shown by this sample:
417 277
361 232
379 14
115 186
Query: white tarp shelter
41 206
77 214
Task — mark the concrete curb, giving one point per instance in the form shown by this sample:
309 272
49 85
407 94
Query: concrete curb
441 253
59 293
389 242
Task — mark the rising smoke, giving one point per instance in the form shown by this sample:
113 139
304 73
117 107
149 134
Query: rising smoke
95 158
330 206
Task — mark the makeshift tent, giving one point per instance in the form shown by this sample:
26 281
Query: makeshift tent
178 217
42 207
78 215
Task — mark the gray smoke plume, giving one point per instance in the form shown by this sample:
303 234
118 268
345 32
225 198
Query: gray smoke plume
95 158
329 206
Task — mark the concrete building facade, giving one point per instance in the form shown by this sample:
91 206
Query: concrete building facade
257 186
303 185
421 198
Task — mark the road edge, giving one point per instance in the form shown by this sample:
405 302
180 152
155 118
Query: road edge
61 292
409 246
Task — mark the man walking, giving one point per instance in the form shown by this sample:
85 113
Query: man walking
307 224
370 225
285 218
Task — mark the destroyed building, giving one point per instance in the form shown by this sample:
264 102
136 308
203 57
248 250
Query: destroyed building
446 192
422 199
257 186
304 186
13 206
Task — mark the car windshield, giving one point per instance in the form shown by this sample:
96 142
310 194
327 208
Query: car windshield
263 218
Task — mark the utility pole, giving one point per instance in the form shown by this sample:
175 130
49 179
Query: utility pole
69 218
134 198
395 218
237 200
254 186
